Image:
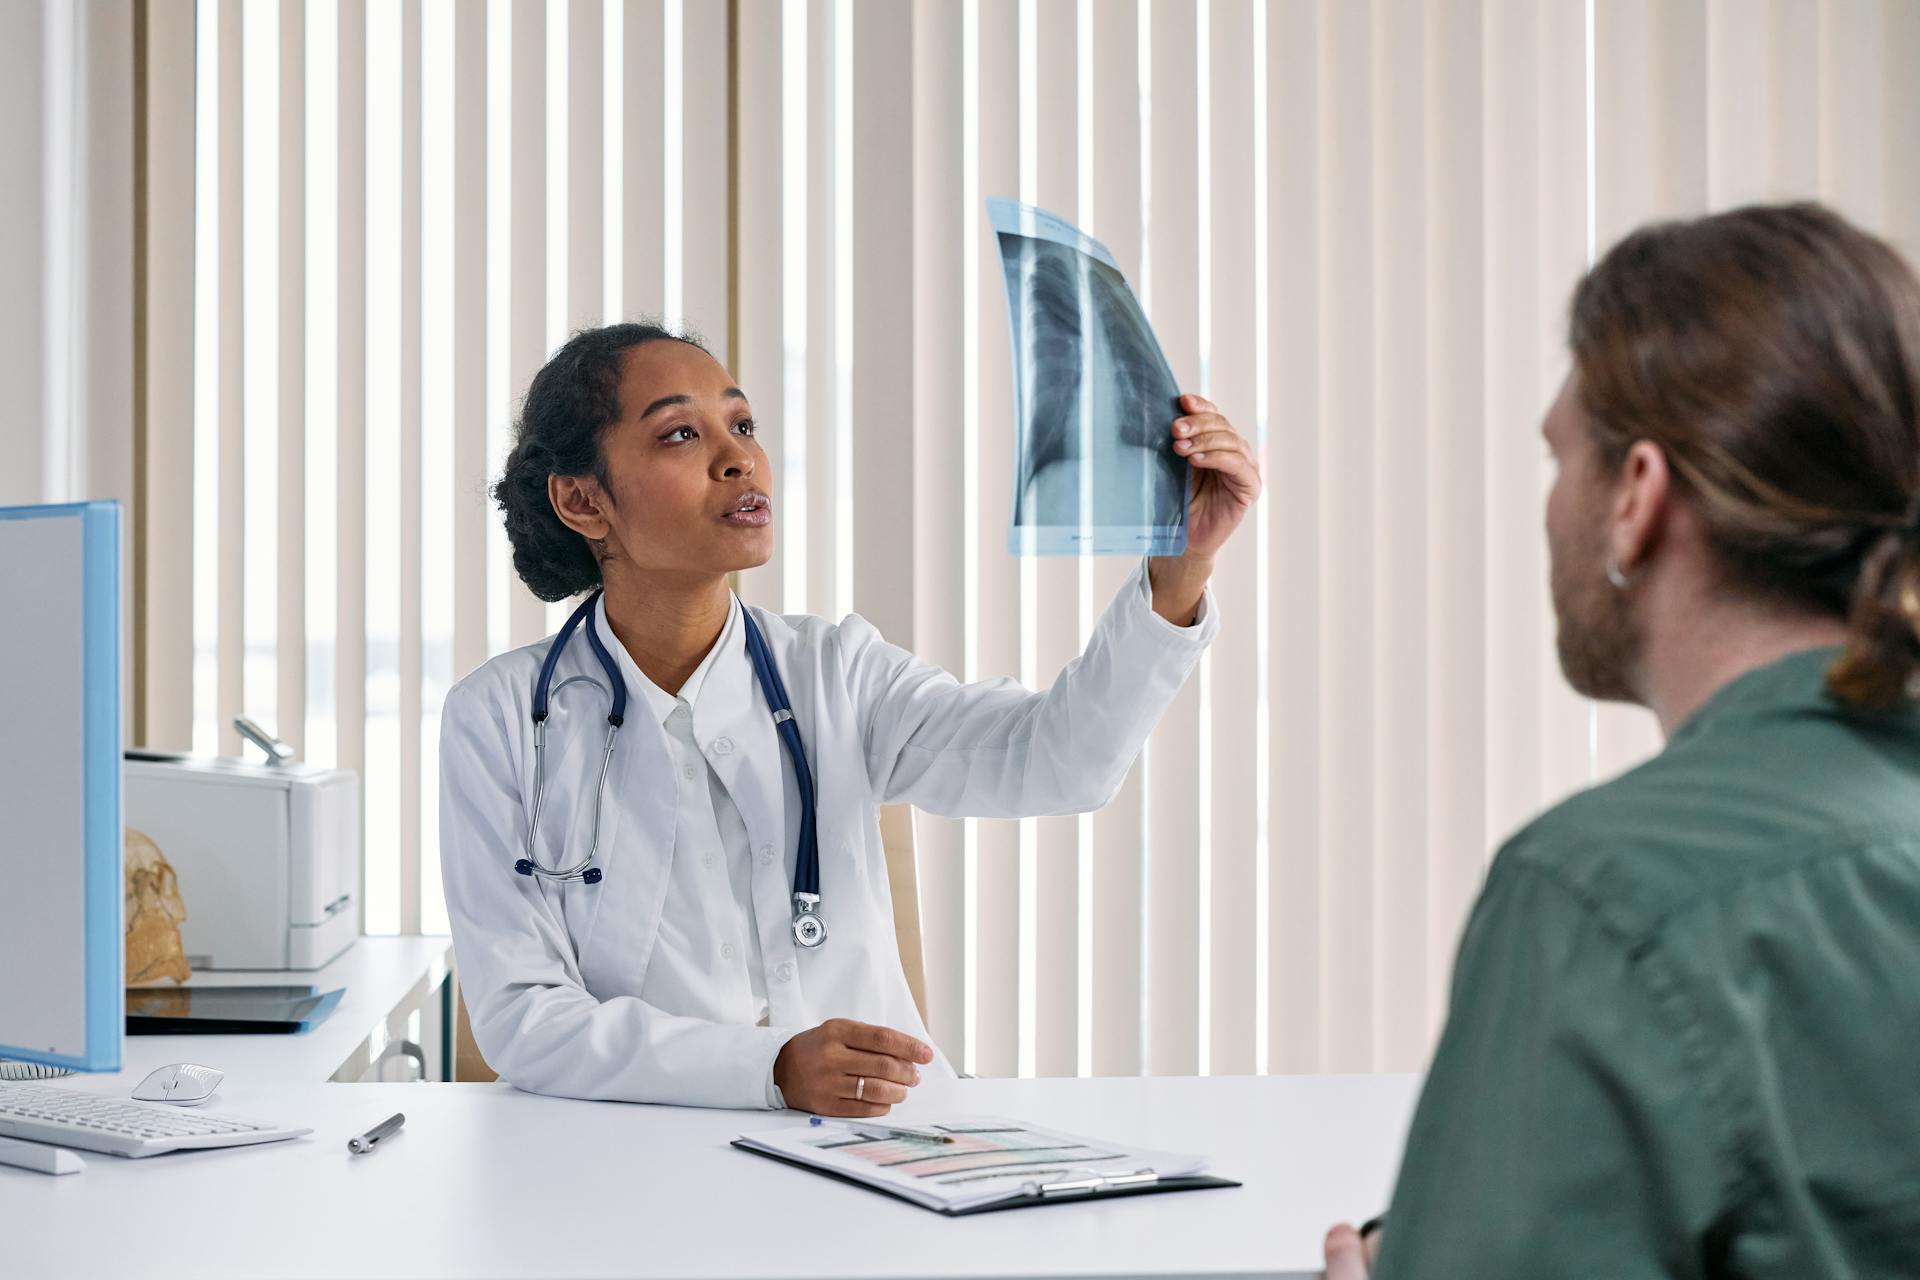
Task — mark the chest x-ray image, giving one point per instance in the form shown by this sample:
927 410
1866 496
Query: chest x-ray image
1095 472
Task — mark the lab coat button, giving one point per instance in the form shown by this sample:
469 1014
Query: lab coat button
709 861
726 951
783 972
723 746
689 773
766 855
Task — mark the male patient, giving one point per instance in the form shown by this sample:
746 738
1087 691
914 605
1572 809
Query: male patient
1685 1026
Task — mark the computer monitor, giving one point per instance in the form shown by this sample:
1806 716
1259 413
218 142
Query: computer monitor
62 955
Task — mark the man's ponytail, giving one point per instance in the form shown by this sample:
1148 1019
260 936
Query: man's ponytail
1882 656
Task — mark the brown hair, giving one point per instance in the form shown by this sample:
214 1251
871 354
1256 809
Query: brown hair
1773 353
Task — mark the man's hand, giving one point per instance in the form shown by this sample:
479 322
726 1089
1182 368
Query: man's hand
822 1070
1348 1256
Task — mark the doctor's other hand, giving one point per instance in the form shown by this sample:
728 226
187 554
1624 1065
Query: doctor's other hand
1350 1255
1226 475
821 1070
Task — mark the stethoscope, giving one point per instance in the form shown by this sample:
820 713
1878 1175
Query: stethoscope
809 930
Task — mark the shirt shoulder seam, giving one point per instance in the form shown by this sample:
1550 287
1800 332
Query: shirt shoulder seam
1651 971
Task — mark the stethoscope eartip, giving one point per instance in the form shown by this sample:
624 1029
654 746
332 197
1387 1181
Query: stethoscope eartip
591 875
524 867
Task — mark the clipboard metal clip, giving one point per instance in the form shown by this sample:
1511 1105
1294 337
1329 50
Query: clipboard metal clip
1096 1183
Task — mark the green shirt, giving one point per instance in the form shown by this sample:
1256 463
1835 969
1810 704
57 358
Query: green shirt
1685 1026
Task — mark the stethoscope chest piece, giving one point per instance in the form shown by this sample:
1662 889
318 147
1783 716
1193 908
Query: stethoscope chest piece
809 930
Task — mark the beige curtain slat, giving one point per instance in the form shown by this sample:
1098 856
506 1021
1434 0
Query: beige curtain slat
1900 52
1056 621
411 744
1794 103
1853 82
586 164
1654 158
703 159
231 678
1455 676
643 160
164 587
1738 88
350 618
941 219
1524 359
1171 280
442 274
260 348
1567 720
1119 835
759 366
1651 126
996 976
814 533
290 629
1401 618
883 335
104 360
1298 1014
527 291
1347 462
386 464
472 511
1233 673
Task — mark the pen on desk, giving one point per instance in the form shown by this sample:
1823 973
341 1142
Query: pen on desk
890 1130
385 1129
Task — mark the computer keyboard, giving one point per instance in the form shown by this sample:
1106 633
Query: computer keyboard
94 1122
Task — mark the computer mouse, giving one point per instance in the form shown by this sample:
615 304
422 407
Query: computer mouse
186 1083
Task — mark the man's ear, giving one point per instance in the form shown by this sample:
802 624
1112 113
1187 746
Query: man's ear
1642 498
581 504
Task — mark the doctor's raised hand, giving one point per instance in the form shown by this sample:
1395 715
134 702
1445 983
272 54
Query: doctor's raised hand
1226 482
660 826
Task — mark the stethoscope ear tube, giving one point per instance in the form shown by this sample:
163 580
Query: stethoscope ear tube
806 870
584 870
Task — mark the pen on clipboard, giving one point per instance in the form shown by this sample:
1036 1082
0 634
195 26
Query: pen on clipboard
365 1142
870 1129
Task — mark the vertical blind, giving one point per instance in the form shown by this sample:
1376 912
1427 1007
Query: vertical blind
1354 226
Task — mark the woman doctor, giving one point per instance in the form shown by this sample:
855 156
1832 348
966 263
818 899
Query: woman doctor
640 909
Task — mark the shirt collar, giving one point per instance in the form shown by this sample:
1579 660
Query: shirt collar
658 700
1795 682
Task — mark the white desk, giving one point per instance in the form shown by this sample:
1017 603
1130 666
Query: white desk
487 1181
383 977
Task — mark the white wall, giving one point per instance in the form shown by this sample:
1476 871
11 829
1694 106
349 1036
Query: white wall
66 250
66 264
22 191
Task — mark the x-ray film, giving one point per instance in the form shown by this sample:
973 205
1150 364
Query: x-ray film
1094 470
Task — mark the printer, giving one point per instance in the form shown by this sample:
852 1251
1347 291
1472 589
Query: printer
267 855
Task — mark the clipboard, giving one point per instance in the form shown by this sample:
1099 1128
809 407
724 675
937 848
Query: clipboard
1064 1192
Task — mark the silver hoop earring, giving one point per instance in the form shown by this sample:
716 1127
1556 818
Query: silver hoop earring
1614 575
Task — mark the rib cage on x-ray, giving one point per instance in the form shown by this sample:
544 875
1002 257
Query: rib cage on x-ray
1080 343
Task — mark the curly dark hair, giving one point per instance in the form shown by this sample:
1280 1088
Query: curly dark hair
572 400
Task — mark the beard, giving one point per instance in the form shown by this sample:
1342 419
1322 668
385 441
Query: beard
1597 638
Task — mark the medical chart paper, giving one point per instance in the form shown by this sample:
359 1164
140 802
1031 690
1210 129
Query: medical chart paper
989 1159
1094 468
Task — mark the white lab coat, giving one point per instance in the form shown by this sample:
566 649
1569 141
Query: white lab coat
552 972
